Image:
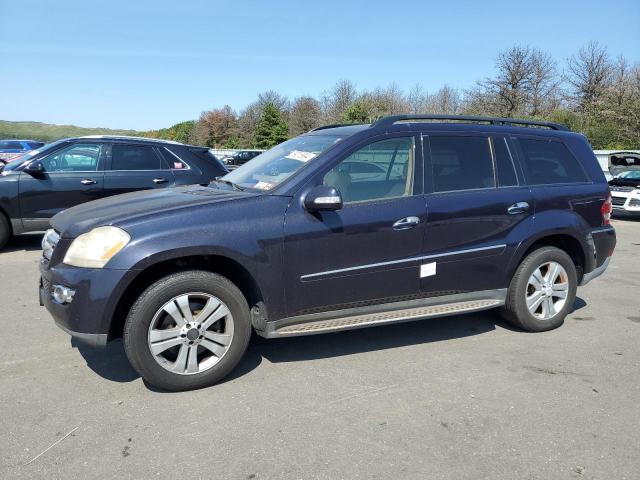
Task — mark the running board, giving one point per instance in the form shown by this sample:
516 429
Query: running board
384 314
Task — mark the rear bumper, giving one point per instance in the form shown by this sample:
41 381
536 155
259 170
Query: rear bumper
587 277
602 242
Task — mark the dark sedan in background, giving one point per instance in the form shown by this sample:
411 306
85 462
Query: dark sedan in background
240 158
77 170
10 149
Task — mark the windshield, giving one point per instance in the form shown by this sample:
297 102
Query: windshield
630 175
18 162
272 167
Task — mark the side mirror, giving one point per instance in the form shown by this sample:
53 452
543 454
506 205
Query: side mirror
34 167
322 198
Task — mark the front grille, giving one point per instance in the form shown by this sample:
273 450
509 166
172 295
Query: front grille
622 189
49 242
618 201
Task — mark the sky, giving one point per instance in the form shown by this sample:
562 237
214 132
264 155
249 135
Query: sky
149 64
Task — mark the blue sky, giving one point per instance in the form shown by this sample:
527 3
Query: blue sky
149 64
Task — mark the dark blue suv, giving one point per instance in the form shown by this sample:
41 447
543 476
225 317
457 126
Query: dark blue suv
343 227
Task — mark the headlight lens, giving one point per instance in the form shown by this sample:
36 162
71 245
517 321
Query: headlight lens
95 248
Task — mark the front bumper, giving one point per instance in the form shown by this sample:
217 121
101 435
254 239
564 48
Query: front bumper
88 317
625 204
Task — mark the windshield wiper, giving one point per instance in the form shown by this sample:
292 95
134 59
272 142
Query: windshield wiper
230 183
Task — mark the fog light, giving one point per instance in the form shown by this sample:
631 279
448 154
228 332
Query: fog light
62 294
634 202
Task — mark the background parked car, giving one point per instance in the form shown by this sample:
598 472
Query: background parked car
240 158
76 170
10 149
625 185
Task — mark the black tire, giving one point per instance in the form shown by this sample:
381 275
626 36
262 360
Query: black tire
5 230
136 329
515 310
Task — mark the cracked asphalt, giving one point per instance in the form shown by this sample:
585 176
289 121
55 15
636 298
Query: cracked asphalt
463 397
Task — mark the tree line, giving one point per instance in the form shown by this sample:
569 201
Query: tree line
592 92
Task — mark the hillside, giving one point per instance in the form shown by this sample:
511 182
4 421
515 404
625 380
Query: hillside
47 132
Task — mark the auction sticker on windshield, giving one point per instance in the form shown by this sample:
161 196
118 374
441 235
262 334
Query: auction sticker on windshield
301 156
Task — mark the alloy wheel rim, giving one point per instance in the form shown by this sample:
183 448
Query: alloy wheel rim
547 290
190 333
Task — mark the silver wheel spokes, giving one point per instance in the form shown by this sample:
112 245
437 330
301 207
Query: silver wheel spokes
547 290
190 333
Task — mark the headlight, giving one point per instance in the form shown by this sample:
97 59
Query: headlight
95 248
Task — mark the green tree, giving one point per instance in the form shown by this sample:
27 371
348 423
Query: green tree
271 129
357 112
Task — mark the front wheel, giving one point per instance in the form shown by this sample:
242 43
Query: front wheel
542 291
187 330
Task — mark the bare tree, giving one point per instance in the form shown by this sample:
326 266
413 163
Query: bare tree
417 99
589 74
543 84
337 99
305 115
446 101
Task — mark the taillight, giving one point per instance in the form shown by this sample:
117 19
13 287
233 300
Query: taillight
605 210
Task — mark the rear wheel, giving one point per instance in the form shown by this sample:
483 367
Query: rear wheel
5 230
542 291
187 330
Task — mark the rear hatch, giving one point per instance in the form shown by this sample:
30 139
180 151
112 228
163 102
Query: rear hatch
623 161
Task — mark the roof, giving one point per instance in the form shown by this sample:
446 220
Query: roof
125 137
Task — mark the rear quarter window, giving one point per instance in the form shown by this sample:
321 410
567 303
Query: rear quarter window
548 162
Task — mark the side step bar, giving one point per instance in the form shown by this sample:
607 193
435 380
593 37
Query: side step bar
384 314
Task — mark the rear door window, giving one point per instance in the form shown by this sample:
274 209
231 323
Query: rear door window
460 163
549 161
134 157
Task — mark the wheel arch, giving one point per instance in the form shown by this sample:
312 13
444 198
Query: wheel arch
228 267
564 241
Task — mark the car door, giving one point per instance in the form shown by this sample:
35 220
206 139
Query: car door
71 175
363 253
132 167
478 211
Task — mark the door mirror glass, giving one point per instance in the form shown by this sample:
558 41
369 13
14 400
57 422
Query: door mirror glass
323 198
34 167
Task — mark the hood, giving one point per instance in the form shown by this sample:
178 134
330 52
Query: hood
625 182
133 206
622 161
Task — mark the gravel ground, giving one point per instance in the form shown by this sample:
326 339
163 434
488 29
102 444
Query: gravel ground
463 397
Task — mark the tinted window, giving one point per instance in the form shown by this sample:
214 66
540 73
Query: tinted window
389 171
173 160
10 146
79 157
461 163
504 163
134 157
35 145
550 162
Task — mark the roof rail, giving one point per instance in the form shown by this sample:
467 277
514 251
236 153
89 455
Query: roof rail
335 125
390 120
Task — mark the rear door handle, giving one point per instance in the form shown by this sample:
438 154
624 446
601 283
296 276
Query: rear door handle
406 223
520 207
88 181
159 180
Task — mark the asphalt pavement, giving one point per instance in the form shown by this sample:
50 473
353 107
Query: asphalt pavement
464 397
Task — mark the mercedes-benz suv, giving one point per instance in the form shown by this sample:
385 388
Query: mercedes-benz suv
471 213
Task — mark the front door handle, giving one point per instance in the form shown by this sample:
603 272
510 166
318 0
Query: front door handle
406 223
88 181
520 207
160 180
